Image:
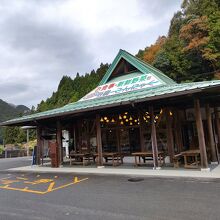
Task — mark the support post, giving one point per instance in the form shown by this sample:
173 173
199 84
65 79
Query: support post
39 144
210 133
217 125
170 142
141 132
99 140
59 143
202 147
178 132
153 138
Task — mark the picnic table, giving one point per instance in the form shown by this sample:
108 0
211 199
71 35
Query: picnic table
80 158
191 158
146 155
116 158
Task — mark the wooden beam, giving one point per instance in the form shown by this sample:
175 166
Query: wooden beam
99 140
169 131
59 142
153 138
39 144
118 140
217 125
178 131
210 133
141 131
199 125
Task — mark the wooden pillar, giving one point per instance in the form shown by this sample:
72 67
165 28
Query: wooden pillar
170 141
99 140
210 133
59 142
202 147
141 132
217 125
118 140
153 138
178 131
39 144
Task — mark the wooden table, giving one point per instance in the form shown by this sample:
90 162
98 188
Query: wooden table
145 155
80 158
115 157
191 158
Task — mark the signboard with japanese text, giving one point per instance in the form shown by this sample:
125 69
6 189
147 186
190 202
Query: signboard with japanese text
127 85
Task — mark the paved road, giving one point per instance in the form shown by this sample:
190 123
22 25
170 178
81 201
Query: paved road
55 196
14 162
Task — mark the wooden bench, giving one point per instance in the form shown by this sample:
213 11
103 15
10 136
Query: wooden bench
80 158
177 160
146 155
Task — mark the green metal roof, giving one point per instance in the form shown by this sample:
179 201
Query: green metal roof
166 88
139 64
120 99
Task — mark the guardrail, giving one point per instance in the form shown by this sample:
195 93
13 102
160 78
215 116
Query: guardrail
14 153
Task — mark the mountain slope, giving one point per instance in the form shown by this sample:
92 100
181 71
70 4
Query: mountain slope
8 111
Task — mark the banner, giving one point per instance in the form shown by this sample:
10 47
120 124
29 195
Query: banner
128 85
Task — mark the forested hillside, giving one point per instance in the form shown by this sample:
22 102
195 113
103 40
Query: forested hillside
71 90
8 111
191 50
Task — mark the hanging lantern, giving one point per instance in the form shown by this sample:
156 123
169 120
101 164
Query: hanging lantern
156 117
105 118
121 122
120 117
101 120
124 116
148 116
126 120
161 111
135 120
107 121
126 113
171 113
144 118
130 118
113 120
131 123
138 123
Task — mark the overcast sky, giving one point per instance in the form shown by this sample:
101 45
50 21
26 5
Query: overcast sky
42 40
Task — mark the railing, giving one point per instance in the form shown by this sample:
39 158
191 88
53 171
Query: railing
13 153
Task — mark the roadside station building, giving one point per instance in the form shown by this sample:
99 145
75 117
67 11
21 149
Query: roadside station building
136 110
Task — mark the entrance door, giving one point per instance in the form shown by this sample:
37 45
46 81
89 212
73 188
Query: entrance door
130 140
134 139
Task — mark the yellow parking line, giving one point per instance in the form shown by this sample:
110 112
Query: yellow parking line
50 188
21 178
69 184
22 190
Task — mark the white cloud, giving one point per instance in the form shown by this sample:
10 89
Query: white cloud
41 40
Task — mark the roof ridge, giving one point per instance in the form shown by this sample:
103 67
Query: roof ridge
148 65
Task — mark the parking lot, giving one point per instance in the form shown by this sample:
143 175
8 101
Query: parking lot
37 196
37 184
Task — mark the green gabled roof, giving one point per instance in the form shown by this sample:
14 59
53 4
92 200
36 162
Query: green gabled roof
166 88
139 64
120 99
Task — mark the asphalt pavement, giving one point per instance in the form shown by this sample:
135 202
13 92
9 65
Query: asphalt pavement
84 197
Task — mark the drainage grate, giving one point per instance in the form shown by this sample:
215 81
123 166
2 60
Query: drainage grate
136 179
